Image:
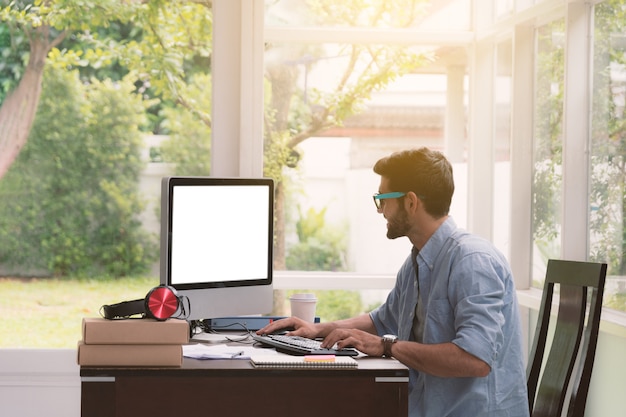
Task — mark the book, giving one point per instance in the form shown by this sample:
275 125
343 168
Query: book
98 330
129 355
305 362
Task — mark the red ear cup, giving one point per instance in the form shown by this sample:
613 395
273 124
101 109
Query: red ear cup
162 302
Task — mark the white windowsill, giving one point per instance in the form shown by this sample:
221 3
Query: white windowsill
288 280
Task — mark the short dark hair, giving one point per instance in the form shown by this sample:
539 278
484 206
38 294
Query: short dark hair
425 172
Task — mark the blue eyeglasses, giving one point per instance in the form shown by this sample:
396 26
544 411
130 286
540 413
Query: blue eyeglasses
379 197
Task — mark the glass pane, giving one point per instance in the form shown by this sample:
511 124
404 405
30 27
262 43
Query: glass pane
608 150
341 107
330 220
547 154
79 221
422 14
503 8
334 109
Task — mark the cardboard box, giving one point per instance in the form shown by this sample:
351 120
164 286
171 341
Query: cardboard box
129 355
146 331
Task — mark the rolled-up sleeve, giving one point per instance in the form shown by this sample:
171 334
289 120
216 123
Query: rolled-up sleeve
477 291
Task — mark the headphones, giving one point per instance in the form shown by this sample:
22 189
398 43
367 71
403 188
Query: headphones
161 303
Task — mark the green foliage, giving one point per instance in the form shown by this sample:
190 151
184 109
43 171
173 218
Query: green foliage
320 248
311 224
162 44
608 144
314 255
607 147
293 116
69 204
338 304
617 301
335 304
171 43
548 151
367 13
189 143
14 53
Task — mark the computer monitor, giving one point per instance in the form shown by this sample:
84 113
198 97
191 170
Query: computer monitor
216 244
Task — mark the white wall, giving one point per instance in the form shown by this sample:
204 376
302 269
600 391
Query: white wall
39 383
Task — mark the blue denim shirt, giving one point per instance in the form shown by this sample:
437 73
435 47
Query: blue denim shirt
470 300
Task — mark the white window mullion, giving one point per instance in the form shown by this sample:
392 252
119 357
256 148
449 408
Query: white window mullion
251 94
577 98
454 130
237 86
481 140
521 155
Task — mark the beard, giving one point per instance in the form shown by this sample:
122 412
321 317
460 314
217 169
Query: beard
398 226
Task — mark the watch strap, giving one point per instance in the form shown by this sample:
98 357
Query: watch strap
388 341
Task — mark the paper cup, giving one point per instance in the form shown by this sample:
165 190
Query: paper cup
303 306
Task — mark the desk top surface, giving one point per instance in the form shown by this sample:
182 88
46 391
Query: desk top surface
367 365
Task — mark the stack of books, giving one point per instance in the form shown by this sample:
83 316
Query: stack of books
132 342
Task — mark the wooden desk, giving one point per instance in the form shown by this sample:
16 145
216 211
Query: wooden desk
225 388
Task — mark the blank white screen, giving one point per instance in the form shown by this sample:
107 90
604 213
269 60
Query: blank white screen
219 233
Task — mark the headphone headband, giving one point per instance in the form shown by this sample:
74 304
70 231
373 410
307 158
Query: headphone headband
160 303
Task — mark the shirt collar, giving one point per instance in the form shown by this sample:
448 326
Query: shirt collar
436 242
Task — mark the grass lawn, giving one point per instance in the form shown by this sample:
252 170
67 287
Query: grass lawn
47 313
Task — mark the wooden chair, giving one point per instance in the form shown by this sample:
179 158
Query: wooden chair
567 370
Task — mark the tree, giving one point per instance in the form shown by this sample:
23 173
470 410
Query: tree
548 134
188 146
71 205
173 34
608 146
18 109
607 203
293 115
319 247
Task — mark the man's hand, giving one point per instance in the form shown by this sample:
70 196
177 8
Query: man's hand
365 342
358 332
295 326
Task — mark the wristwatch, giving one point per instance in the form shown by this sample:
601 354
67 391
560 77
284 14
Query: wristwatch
388 340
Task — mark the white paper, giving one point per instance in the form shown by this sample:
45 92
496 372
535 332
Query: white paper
202 351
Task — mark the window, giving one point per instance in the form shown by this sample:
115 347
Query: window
547 151
329 181
331 225
608 150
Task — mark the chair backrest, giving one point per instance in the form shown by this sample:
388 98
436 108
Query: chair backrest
567 370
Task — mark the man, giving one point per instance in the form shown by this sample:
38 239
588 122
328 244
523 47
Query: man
452 316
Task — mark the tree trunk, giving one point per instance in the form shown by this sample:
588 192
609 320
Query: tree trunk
280 296
18 110
283 81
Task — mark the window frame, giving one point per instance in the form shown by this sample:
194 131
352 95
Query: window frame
240 118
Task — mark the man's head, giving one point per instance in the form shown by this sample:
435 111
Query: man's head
425 172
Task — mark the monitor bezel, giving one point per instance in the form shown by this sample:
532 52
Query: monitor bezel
167 196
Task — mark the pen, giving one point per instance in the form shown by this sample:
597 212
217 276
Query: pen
234 355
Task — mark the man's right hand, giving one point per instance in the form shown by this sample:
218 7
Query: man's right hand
300 327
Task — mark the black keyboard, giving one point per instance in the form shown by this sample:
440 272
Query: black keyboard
296 345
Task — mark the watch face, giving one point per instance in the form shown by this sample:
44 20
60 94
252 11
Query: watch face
390 337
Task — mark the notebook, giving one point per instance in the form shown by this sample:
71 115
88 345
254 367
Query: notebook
308 361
